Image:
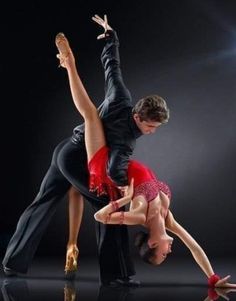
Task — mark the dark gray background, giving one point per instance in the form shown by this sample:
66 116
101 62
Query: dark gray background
184 51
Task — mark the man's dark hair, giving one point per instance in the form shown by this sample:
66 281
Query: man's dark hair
152 108
141 242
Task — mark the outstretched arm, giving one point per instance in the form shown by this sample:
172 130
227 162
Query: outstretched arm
117 106
198 254
115 90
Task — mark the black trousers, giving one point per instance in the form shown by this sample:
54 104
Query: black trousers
68 167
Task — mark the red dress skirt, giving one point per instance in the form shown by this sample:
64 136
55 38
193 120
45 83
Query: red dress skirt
145 181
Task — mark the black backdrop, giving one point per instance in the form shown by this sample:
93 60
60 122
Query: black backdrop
183 50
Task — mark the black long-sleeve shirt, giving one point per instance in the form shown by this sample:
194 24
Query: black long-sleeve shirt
120 128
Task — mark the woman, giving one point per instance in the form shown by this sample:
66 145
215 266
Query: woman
149 198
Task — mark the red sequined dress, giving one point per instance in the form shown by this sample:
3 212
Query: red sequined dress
145 181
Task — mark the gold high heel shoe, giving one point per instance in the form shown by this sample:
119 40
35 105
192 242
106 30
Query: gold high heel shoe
71 261
63 48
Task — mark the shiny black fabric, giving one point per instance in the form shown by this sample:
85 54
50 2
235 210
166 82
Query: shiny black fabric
116 113
69 167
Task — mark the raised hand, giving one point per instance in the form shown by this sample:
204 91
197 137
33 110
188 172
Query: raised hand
103 23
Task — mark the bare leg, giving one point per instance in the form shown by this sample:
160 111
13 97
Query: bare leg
76 208
94 134
94 140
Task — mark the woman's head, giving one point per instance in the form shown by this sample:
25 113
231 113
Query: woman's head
141 242
153 253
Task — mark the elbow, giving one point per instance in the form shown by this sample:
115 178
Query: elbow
99 217
142 219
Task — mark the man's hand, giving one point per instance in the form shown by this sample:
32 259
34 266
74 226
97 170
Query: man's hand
103 23
127 190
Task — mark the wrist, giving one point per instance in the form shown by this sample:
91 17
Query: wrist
114 206
213 280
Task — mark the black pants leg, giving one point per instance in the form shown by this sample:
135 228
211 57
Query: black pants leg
69 166
34 221
113 243
113 250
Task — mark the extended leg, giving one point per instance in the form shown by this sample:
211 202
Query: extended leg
94 134
34 221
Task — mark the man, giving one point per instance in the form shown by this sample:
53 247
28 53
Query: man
123 125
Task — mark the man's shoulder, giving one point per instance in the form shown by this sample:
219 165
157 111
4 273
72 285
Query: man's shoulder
117 113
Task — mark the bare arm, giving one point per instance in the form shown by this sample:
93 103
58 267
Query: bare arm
106 215
110 215
102 214
197 252
126 218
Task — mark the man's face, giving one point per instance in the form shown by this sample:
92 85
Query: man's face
146 127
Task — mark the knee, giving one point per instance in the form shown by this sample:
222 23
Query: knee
74 193
99 217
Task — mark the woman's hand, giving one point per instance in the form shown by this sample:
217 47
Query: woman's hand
223 283
127 190
103 23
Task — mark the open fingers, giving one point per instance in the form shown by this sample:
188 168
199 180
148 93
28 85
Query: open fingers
105 23
97 21
224 283
99 18
225 279
101 36
232 285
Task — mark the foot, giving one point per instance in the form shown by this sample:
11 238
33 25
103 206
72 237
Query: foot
126 281
65 54
71 261
9 272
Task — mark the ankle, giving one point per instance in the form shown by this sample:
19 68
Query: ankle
72 246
